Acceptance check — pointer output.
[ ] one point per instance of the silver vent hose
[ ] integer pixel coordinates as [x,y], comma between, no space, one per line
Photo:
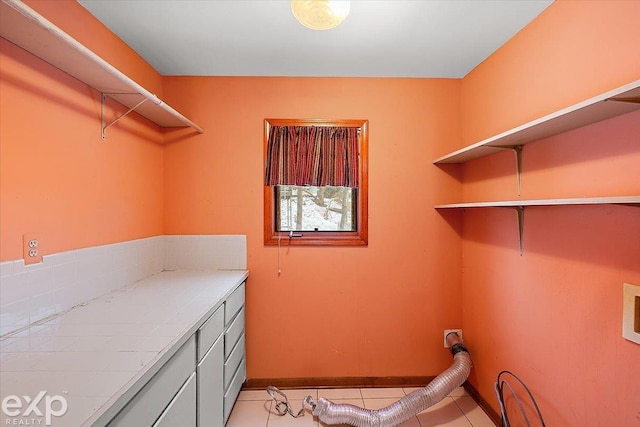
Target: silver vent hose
[407,407]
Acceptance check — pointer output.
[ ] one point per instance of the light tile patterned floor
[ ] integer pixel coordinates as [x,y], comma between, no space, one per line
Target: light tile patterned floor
[254,408]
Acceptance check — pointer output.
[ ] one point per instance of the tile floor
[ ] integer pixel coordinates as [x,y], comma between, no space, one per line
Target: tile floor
[254,408]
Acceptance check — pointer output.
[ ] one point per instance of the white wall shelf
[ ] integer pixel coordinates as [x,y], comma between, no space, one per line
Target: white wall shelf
[616,102]
[621,200]
[622,100]
[520,205]
[27,29]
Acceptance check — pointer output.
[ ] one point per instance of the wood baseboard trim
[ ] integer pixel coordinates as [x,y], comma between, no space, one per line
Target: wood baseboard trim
[336,382]
[495,417]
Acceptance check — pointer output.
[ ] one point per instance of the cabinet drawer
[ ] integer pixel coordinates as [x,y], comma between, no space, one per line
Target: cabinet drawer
[182,409]
[234,389]
[210,331]
[233,333]
[232,363]
[210,388]
[146,406]
[233,304]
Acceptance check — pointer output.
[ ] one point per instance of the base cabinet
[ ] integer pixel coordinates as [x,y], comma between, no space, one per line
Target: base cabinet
[200,383]
[234,372]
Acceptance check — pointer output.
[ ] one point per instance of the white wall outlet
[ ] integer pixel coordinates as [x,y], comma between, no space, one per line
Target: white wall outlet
[631,312]
[32,250]
[447,331]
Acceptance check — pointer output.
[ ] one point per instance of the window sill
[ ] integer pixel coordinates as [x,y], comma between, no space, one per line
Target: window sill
[323,238]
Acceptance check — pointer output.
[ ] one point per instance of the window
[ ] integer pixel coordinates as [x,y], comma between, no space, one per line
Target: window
[302,204]
[310,208]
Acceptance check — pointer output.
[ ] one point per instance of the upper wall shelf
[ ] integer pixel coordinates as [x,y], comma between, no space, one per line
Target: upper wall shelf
[27,29]
[618,200]
[607,105]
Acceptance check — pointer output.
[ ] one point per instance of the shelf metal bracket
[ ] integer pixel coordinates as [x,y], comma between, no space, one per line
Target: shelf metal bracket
[634,100]
[520,218]
[517,149]
[520,214]
[103,115]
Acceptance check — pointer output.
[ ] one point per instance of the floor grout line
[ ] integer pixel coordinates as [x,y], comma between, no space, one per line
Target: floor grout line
[462,411]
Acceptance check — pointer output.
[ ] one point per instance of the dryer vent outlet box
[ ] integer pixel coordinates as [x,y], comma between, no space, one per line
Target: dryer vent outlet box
[631,313]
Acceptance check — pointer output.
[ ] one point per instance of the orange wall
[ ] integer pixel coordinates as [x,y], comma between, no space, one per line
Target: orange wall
[571,52]
[57,177]
[373,311]
[553,316]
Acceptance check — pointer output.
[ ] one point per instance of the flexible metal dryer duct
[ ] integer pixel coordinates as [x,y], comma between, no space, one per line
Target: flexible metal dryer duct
[410,405]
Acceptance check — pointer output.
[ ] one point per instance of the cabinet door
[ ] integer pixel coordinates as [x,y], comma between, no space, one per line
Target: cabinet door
[234,390]
[210,331]
[233,304]
[151,401]
[182,409]
[210,386]
[233,333]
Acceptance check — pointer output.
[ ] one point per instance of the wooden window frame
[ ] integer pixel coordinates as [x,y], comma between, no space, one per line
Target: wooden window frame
[360,237]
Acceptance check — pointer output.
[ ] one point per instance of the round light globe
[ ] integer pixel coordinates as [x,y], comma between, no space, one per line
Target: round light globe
[320,14]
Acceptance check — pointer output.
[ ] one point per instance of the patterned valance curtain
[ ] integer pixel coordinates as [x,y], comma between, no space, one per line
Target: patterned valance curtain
[312,155]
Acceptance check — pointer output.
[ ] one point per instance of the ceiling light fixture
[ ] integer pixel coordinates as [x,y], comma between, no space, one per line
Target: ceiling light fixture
[320,14]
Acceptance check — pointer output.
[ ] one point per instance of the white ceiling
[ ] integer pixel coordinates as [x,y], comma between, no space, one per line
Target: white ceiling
[397,38]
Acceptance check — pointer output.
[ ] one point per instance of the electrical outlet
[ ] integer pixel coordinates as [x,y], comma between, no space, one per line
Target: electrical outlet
[32,250]
[448,331]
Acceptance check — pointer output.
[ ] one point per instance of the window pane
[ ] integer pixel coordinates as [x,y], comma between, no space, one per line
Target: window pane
[307,208]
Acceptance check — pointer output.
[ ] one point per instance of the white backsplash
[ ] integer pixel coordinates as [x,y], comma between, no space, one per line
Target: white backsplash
[30,293]
[205,252]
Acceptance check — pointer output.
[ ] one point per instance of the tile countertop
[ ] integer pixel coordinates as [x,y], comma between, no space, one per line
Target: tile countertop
[99,354]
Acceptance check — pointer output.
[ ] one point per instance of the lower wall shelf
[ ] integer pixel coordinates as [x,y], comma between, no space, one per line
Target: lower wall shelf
[519,206]
[619,200]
